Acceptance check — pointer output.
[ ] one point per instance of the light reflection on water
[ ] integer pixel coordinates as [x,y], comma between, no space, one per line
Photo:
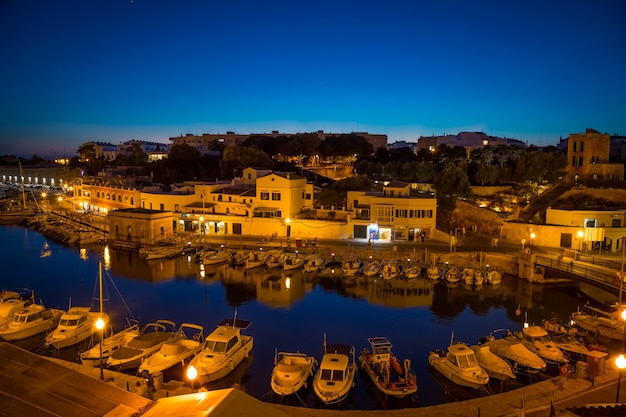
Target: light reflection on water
[289,312]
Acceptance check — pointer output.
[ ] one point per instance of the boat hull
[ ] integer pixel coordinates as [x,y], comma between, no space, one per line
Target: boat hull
[472,379]
[209,370]
[292,373]
[19,331]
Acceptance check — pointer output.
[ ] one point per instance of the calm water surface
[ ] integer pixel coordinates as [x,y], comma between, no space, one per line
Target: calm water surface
[288,313]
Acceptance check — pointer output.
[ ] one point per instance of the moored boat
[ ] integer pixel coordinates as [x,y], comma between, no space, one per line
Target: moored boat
[495,366]
[433,272]
[521,360]
[412,272]
[217,257]
[389,375]
[459,365]
[274,258]
[603,324]
[255,259]
[350,264]
[371,268]
[10,303]
[390,268]
[75,325]
[536,339]
[110,344]
[452,275]
[152,337]
[292,260]
[224,349]
[314,263]
[178,351]
[291,372]
[30,321]
[334,379]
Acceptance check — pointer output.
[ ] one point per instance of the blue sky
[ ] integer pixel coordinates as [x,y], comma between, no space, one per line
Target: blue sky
[114,70]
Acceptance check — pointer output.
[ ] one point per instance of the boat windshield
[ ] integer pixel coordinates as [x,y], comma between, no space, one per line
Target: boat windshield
[21,318]
[330,375]
[68,322]
[465,361]
[215,347]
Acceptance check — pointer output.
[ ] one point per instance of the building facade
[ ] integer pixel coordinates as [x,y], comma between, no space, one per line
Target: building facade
[588,158]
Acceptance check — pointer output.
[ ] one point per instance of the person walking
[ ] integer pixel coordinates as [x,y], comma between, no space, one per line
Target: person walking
[563,371]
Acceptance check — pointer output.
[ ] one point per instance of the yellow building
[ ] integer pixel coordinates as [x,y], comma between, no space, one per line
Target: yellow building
[588,158]
[396,213]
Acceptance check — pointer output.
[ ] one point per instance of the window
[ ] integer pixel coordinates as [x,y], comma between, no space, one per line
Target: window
[385,214]
[401,213]
[276,196]
[307,196]
[265,195]
[162,207]
[219,197]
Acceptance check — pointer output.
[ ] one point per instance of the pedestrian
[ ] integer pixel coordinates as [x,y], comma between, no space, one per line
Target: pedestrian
[495,241]
[563,371]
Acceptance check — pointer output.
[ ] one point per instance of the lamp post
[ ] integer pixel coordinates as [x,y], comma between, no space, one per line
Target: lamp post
[623,316]
[192,374]
[620,362]
[100,327]
[532,241]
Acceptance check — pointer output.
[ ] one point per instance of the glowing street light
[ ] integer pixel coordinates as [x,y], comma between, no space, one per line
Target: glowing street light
[620,362]
[580,240]
[532,241]
[100,327]
[192,374]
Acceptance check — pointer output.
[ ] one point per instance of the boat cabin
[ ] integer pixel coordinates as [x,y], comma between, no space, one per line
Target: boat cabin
[461,356]
[226,337]
[75,316]
[534,334]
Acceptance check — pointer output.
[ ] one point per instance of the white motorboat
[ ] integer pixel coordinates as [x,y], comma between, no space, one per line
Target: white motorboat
[350,265]
[371,268]
[602,323]
[164,252]
[452,275]
[389,375]
[459,365]
[536,339]
[189,343]
[152,337]
[390,269]
[274,258]
[334,379]
[110,344]
[314,263]
[434,272]
[224,349]
[412,272]
[217,257]
[292,260]
[75,325]
[30,321]
[255,259]
[521,360]
[291,372]
[495,366]
[566,338]
[10,303]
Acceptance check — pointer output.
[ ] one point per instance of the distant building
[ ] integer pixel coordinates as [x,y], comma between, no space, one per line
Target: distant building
[104,150]
[467,140]
[588,158]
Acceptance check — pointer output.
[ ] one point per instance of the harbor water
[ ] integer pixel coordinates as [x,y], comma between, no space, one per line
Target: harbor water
[289,312]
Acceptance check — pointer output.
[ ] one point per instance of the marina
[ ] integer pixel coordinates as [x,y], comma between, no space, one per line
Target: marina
[350,309]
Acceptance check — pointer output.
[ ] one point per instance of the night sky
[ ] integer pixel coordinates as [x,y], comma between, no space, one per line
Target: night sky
[114,70]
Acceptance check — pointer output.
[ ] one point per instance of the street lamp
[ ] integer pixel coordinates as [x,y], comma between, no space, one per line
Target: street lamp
[532,241]
[580,240]
[192,374]
[623,316]
[620,362]
[100,327]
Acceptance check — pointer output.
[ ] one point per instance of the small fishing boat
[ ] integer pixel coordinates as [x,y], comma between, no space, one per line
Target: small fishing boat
[255,259]
[495,366]
[467,275]
[314,263]
[390,269]
[452,275]
[371,268]
[412,272]
[164,252]
[350,265]
[75,325]
[479,278]
[189,343]
[292,260]
[30,321]
[152,337]
[334,379]
[389,375]
[110,344]
[291,372]
[274,258]
[224,349]
[218,257]
[433,272]
[494,277]
[459,365]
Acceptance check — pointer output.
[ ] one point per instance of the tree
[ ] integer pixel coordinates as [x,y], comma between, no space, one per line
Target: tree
[240,157]
[450,184]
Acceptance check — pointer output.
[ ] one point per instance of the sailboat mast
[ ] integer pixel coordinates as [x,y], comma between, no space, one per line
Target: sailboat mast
[100,283]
